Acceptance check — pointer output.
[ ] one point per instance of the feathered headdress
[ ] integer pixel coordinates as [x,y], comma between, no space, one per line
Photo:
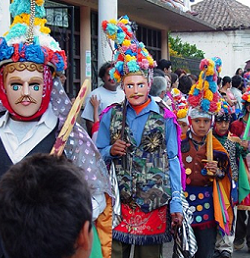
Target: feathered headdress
[204,94]
[28,39]
[131,56]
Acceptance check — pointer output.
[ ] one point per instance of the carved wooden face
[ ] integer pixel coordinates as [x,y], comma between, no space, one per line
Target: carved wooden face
[24,90]
[136,89]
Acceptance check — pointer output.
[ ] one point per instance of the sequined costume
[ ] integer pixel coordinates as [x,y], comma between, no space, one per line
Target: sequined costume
[199,187]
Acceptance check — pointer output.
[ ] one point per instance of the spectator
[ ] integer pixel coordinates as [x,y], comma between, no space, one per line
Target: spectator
[239,72]
[185,84]
[45,209]
[165,66]
[193,77]
[226,93]
[158,72]
[219,83]
[174,81]
[180,72]
[108,93]
[237,90]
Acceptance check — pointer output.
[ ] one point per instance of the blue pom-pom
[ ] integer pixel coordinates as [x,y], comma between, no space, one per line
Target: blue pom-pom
[119,67]
[213,86]
[205,105]
[133,66]
[5,51]
[196,92]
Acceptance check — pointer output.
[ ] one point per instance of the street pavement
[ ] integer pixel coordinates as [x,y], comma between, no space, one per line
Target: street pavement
[168,251]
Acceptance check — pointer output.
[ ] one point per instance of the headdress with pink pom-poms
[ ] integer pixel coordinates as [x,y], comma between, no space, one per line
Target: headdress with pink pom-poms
[131,56]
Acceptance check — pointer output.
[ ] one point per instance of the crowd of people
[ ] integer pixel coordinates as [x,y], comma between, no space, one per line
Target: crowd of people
[168,158]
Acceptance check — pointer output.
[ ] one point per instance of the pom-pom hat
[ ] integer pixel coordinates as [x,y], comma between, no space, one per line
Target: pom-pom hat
[131,56]
[28,39]
[28,46]
[181,105]
[204,95]
[225,111]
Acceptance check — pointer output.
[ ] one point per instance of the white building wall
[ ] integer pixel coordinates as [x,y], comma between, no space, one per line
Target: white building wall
[233,47]
[4,16]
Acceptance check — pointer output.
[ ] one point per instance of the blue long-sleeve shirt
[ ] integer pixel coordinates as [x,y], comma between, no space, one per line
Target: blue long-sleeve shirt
[136,124]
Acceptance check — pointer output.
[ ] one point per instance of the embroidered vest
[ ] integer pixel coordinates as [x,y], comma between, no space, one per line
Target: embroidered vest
[143,173]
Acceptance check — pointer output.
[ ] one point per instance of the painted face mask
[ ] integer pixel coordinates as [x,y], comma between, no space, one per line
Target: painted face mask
[25,89]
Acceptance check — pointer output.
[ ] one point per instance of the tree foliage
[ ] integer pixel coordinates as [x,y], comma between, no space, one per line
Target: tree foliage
[183,49]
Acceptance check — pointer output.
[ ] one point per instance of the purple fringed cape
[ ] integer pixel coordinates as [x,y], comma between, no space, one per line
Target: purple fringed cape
[169,114]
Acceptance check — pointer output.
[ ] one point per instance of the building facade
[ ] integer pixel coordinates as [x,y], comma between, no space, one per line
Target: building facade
[76,25]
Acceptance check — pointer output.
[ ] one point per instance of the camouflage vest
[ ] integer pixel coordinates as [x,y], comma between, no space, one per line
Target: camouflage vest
[143,173]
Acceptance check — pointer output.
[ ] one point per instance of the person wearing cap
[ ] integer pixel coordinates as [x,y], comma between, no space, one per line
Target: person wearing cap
[207,164]
[35,103]
[239,128]
[139,141]
[224,244]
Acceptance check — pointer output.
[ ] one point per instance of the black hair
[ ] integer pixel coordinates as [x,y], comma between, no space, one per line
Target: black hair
[237,71]
[219,80]
[185,84]
[158,72]
[225,80]
[236,81]
[174,78]
[104,68]
[44,203]
[163,63]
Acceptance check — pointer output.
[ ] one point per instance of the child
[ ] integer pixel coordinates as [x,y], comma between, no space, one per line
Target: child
[239,127]
[206,163]
[224,245]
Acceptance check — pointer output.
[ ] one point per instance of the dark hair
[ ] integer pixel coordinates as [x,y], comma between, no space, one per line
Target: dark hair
[193,77]
[219,80]
[158,72]
[236,81]
[225,80]
[104,68]
[185,84]
[44,202]
[163,63]
[174,78]
[180,72]
[237,71]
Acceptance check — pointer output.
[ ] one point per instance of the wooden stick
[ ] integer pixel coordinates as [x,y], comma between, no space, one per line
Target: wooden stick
[70,121]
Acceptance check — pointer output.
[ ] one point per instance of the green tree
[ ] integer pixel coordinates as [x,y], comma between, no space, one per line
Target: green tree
[183,49]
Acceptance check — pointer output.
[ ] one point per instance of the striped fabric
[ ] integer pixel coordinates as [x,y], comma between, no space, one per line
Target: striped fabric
[185,245]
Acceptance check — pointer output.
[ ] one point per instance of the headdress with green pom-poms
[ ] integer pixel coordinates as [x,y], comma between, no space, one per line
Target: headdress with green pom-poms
[28,39]
[131,56]
[204,94]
